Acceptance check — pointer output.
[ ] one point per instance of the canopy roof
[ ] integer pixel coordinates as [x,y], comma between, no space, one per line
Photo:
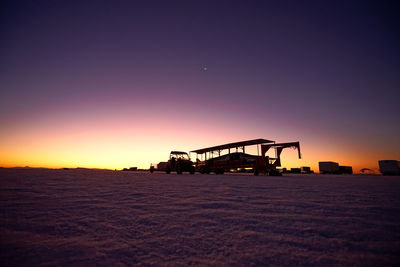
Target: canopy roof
[232,145]
[178,152]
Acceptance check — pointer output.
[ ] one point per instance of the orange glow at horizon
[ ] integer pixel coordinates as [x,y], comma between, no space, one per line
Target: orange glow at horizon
[132,138]
[115,144]
[118,155]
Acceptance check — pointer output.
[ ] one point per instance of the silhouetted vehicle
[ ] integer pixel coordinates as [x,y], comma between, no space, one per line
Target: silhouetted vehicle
[389,167]
[306,170]
[240,160]
[328,167]
[180,162]
[345,170]
[366,171]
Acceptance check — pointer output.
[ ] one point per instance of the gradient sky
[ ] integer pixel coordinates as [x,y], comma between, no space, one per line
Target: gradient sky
[113,84]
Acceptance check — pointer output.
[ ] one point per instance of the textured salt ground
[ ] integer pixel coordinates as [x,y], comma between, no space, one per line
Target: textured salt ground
[107,218]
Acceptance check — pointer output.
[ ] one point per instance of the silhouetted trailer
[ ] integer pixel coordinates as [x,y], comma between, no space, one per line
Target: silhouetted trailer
[306,170]
[345,169]
[236,157]
[328,167]
[389,167]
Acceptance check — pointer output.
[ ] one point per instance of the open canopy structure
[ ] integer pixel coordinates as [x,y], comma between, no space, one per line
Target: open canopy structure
[178,152]
[235,145]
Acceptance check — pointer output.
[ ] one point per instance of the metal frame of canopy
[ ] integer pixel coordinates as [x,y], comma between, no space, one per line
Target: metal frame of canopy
[229,146]
[263,162]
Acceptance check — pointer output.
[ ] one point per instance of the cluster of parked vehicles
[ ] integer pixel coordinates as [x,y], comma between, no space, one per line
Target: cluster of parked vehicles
[215,161]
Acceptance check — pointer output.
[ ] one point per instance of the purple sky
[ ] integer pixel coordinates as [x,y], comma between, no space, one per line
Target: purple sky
[319,69]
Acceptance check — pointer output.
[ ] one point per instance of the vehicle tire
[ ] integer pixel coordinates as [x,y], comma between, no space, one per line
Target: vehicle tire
[168,171]
[192,170]
[256,172]
[179,171]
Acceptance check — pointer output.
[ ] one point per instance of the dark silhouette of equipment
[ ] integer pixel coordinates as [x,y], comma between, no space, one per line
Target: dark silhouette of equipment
[389,167]
[241,160]
[366,171]
[180,162]
[330,167]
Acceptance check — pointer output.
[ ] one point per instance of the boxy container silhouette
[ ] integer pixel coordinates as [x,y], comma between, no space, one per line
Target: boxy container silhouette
[389,167]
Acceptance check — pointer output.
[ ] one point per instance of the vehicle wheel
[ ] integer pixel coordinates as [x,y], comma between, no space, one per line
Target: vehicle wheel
[256,172]
[179,172]
[167,171]
[192,170]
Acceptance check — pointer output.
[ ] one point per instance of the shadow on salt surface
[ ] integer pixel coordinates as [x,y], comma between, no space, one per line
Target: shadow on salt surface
[108,218]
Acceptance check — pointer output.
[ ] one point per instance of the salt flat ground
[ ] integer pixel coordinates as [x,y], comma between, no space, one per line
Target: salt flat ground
[107,218]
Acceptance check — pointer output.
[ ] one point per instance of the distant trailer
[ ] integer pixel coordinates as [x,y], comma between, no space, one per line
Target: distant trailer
[345,170]
[306,170]
[389,167]
[328,167]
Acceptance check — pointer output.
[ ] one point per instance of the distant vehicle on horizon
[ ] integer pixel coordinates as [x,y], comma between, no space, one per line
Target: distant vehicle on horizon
[330,167]
[389,167]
